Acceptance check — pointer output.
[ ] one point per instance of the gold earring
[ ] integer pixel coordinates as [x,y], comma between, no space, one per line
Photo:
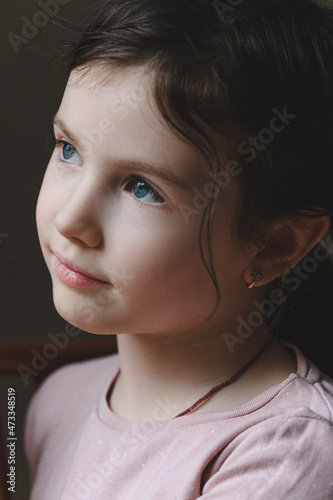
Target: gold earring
[256,276]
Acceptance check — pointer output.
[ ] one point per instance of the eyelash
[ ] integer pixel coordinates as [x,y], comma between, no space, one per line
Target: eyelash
[158,200]
[58,143]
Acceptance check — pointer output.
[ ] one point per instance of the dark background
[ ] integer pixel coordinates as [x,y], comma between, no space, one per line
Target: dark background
[32,84]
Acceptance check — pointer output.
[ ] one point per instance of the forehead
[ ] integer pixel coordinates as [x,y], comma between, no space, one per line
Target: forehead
[123,97]
[109,82]
[112,92]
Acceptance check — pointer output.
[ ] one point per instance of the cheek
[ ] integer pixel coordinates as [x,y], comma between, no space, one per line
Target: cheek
[42,211]
[161,263]
[48,200]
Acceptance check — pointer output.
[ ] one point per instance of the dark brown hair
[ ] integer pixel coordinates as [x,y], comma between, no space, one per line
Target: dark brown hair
[223,71]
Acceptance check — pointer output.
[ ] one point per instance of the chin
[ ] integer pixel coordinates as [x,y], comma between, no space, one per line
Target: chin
[83,317]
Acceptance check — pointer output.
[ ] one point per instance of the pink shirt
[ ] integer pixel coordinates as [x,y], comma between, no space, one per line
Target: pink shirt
[277,446]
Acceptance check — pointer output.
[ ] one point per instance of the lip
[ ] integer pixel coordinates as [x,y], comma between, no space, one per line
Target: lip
[74,275]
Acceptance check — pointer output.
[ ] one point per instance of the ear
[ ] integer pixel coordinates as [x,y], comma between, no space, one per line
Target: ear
[288,241]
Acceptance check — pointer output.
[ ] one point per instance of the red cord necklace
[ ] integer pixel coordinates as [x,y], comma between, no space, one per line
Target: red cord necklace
[215,389]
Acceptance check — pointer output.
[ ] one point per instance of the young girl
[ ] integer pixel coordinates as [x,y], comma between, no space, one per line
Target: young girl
[186,204]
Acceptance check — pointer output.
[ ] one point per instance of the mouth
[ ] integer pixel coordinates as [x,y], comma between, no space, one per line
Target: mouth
[75,276]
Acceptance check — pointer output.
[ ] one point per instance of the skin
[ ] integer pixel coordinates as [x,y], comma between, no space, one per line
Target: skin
[159,294]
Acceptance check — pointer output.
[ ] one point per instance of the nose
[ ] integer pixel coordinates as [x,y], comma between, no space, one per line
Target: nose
[78,218]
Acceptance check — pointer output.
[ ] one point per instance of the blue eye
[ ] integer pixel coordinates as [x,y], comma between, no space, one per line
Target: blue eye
[69,153]
[144,192]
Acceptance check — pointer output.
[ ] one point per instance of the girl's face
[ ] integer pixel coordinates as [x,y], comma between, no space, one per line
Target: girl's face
[120,200]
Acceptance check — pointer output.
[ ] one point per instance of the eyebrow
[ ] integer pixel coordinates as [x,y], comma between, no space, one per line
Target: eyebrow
[59,123]
[138,165]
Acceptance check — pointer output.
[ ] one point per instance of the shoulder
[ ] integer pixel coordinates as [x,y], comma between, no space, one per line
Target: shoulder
[300,406]
[74,380]
[83,372]
[294,430]
[286,456]
[64,398]
[310,390]
[282,444]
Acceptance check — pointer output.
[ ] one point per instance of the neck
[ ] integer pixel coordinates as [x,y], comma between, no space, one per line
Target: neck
[171,373]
